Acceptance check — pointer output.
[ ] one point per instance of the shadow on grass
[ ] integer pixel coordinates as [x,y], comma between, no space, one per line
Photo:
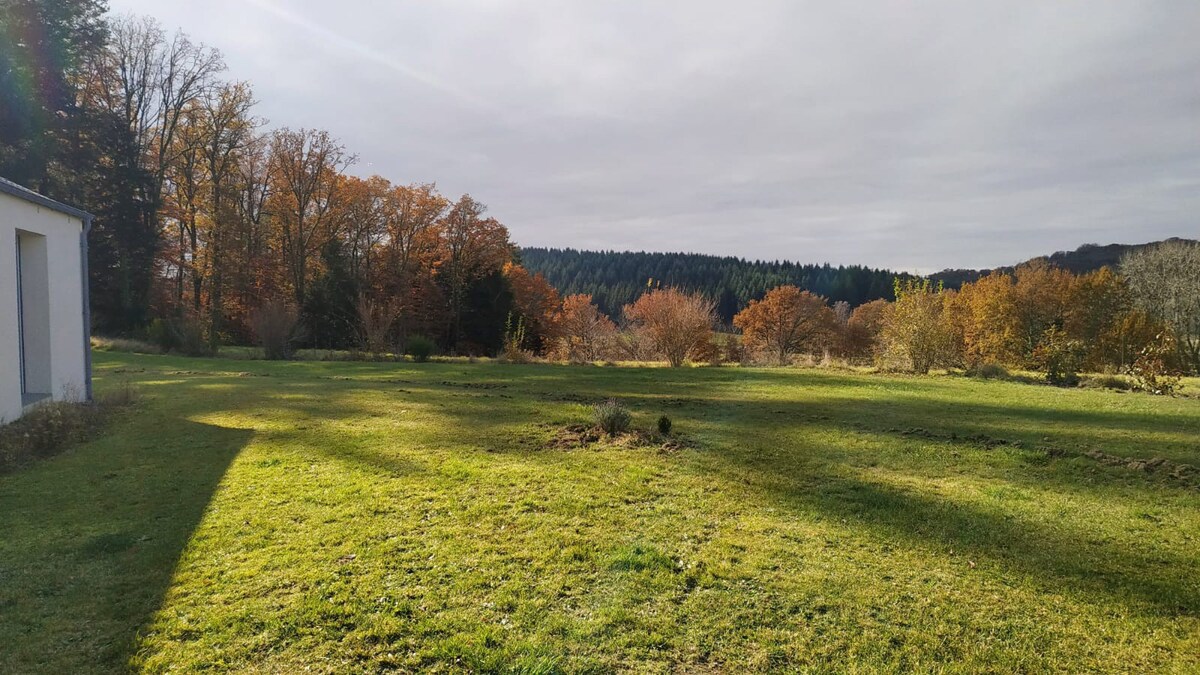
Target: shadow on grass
[98,534]
[92,538]
[1056,556]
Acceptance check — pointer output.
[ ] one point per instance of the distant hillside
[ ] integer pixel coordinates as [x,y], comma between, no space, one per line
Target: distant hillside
[615,279]
[1086,258]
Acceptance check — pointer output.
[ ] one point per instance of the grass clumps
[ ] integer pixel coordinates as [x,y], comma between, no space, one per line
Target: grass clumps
[640,558]
[54,426]
[611,417]
[664,425]
[118,344]
[1113,382]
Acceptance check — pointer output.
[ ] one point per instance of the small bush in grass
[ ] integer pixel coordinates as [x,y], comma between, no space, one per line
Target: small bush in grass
[664,425]
[420,348]
[277,327]
[612,417]
[1108,382]
[989,371]
[1060,356]
[1155,370]
[180,335]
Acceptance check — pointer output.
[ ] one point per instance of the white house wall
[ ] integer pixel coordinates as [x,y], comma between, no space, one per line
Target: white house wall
[68,374]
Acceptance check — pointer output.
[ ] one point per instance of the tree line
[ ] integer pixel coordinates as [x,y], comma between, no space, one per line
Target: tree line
[211,229]
[1142,318]
[615,279]
[204,217]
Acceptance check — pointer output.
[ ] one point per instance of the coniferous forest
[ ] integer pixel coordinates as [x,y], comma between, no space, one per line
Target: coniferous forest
[615,279]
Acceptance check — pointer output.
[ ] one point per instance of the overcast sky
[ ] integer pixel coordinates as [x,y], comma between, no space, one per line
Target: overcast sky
[907,135]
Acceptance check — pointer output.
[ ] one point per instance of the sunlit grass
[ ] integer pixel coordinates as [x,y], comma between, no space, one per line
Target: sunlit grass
[356,517]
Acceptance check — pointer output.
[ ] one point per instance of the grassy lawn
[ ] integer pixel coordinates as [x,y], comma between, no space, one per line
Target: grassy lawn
[354,517]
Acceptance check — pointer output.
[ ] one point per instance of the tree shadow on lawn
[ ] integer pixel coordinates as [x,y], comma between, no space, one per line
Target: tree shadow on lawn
[1062,559]
[99,532]
[1074,429]
[807,475]
[819,479]
[93,538]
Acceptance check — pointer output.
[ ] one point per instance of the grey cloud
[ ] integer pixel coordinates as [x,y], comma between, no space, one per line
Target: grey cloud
[913,135]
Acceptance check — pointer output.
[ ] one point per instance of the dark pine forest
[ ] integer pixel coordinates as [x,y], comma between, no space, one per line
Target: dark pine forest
[615,279]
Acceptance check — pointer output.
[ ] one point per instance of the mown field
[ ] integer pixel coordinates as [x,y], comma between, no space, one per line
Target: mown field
[353,517]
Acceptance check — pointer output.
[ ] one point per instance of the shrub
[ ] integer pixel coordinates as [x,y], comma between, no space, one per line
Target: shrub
[277,327]
[664,425]
[710,351]
[787,321]
[1154,371]
[674,322]
[514,339]
[1109,382]
[916,334]
[612,417]
[989,371]
[180,335]
[733,350]
[420,348]
[1060,356]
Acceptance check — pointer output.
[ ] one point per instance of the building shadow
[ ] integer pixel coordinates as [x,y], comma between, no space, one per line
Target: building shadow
[92,538]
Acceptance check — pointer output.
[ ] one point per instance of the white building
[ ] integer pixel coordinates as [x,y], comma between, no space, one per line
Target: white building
[44,323]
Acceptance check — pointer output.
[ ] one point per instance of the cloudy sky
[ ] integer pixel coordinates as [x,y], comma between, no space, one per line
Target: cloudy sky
[908,135]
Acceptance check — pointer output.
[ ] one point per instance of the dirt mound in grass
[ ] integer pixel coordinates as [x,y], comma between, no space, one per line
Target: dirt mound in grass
[579,436]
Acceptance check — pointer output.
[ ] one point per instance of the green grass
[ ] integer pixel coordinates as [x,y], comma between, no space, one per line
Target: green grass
[359,517]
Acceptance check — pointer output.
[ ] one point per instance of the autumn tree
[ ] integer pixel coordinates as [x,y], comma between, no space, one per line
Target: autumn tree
[305,164]
[360,216]
[860,336]
[150,82]
[915,334]
[229,128]
[786,321]
[1099,302]
[1041,298]
[989,320]
[411,250]
[584,332]
[536,304]
[257,273]
[675,322]
[472,248]
[1165,281]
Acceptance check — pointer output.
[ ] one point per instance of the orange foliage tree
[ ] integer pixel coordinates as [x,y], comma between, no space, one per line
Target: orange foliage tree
[472,247]
[585,333]
[675,323]
[860,337]
[786,321]
[536,304]
[305,165]
[987,312]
